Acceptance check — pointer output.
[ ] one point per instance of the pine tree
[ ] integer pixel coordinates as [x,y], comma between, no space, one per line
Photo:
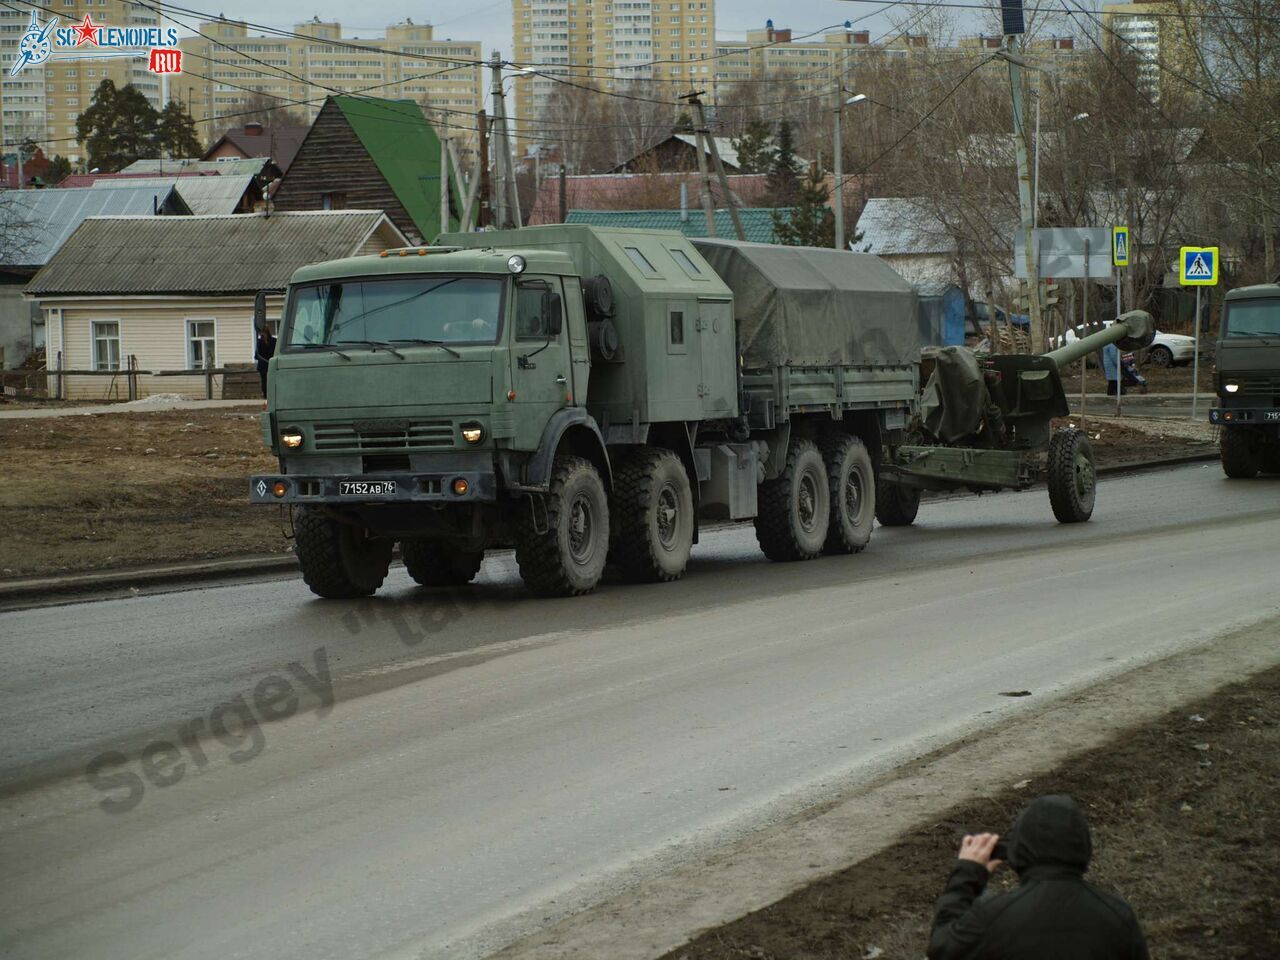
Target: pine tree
[811,222]
[118,128]
[755,148]
[684,123]
[784,182]
[177,131]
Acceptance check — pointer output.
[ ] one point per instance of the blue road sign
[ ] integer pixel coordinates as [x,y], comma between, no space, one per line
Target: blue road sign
[1199,266]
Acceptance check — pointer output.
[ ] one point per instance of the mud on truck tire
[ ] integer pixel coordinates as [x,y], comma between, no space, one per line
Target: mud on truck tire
[652,516]
[795,507]
[851,482]
[567,555]
[338,561]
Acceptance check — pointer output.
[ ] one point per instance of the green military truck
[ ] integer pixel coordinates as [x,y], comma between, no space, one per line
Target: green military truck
[1246,378]
[583,395]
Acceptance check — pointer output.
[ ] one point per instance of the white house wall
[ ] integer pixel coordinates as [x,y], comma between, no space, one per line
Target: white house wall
[154,332]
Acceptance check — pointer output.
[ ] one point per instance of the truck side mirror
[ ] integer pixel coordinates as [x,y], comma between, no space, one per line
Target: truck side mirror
[260,311]
[552,314]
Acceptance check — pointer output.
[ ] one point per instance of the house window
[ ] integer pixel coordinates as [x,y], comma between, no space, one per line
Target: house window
[106,345]
[333,201]
[201,335]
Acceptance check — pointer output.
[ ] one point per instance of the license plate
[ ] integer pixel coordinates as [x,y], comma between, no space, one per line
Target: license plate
[1271,415]
[366,488]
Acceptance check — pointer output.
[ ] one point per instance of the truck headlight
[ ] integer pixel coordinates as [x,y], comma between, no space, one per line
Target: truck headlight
[515,263]
[1231,387]
[472,432]
[291,437]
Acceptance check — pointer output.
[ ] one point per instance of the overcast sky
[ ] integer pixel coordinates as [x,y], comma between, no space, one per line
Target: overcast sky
[489,21]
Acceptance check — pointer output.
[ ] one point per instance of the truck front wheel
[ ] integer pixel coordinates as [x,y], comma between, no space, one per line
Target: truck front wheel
[561,551]
[652,516]
[795,508]
[851,481]
[338,560]
[435,564]
[1240,457]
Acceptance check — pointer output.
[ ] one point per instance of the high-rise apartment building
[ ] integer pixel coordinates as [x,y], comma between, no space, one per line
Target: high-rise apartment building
[608,44]
[1152,32]
[42,101]
[223,65]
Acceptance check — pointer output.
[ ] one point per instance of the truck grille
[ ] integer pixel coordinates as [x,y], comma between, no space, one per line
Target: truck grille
[383,437]
[1255,384]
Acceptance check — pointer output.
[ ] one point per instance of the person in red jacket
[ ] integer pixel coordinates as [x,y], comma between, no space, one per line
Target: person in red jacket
[1053,914]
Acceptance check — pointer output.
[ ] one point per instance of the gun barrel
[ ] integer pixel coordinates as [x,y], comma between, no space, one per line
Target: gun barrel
[1131,331]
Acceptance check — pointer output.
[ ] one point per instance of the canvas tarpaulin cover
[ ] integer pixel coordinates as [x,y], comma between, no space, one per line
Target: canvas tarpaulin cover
[955,397]
[806,306]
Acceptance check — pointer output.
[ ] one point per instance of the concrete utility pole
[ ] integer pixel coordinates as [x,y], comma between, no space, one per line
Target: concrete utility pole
[444,173]
[484,216]
[705,142]
[1024,194]
[498,194]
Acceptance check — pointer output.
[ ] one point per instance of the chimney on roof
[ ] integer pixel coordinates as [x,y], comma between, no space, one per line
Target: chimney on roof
[861,37]
[253,129]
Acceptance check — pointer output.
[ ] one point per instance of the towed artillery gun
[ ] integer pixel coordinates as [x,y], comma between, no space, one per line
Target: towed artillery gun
[985,424]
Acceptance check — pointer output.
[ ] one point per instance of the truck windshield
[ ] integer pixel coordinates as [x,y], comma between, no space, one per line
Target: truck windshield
[1252,318]
[442,309]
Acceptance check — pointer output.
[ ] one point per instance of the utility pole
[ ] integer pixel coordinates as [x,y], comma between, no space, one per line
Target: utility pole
[1024,189]
[444,172]
[499,141]
[484,216]
[705,141]
[837,159]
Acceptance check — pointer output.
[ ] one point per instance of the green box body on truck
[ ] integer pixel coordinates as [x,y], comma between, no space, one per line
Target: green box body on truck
[583,395]
[1246,378]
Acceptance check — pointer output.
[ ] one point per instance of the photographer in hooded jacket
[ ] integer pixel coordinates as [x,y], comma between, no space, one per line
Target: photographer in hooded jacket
[1053,914]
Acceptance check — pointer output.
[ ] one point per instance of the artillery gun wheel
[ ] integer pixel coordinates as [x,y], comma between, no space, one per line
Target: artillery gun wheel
[652,513]
[795,507]
[851,481]
[1241,459]
[338,561]
[896,505]
[1072,476]
[435,564]
[561,552]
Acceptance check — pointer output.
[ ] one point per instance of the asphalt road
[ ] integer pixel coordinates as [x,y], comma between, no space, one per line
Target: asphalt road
[460,767]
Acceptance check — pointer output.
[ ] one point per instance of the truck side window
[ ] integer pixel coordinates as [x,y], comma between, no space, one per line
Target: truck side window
[677,328]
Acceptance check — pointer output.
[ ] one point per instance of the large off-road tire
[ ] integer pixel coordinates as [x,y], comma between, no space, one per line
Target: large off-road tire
[338,560]
[1241,459]
[568,556]
[1072,476]
[851,487]
[435,564]
[795,508]
[896,505]
[652,516]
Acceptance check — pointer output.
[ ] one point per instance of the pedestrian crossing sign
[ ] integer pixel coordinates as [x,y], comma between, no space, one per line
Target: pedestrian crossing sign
[1199,266]
[1120,246]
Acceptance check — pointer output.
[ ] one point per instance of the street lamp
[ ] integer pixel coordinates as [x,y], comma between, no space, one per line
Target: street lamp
[838,160]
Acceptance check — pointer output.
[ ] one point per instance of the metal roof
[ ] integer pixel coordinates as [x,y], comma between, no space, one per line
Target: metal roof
[901,225]
[206,196]
[44,219]
[241,253]
[757,222]
[226,168]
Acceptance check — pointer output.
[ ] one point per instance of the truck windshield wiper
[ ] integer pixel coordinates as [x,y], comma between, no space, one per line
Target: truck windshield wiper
[377,345]
[324,346]
[431,343]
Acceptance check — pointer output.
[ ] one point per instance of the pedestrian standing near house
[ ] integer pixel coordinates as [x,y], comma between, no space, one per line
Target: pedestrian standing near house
[1053,914]
[263,353]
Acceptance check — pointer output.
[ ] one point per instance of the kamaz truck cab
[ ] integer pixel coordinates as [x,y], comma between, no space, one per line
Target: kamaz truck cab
[1247,381]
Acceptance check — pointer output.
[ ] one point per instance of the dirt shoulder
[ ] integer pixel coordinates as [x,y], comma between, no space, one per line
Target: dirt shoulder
[131,489]
[1186,822]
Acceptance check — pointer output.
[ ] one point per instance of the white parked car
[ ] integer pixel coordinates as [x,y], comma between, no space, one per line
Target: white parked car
[1166,350]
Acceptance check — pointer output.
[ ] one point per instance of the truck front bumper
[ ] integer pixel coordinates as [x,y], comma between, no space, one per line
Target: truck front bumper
[1251,416]
[462,486]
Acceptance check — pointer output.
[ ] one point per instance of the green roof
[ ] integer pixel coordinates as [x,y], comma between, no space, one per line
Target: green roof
[757,222]
[406,151]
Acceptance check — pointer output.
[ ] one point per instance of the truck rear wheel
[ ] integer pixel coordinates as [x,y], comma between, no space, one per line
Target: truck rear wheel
[432,563]
[567,556]
[851,483]
[338,560]
[896,505]
[652,514]
[1241,459]
[795,508]
[1072,476]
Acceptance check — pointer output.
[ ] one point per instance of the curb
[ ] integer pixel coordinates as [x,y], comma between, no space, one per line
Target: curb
[34,590]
